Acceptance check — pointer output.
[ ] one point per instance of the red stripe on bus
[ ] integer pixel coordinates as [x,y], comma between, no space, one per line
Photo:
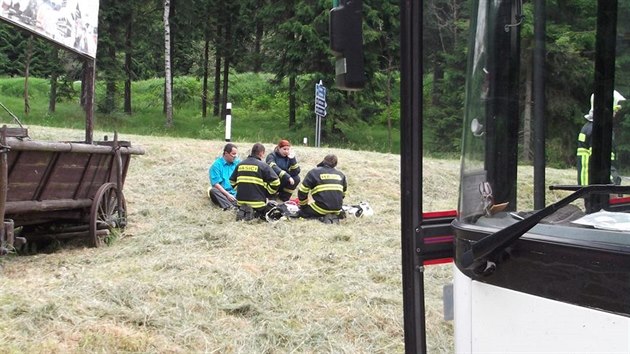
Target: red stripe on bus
[438,239]
[438,261]
[623,200]
[439,214]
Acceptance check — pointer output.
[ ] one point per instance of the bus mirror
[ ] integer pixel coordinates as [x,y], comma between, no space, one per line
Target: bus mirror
[346,43]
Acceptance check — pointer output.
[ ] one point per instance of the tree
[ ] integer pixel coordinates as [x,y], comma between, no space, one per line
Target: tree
[445,61]
[381,53]
[168,93]
[110,27]
[28,55]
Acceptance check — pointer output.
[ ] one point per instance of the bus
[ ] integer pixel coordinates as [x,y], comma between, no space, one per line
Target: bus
[555,278]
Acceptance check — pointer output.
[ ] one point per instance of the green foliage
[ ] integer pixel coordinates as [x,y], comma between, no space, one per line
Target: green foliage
[260,110]
[186,90]
[267,42]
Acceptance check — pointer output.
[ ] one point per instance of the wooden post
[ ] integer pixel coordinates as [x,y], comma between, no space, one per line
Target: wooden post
[89,74]
[4,177]
[119,179]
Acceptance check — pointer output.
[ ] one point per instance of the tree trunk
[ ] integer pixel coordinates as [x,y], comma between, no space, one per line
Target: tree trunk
[226,73]
[54,76]
[128,59]
[257,47]
[168,93]
[527,113]
[110,84]
[226,69]
[438,78]
[388,100]
[204,90]
[52,96]
[111,78]
[291,100]
[84,85]
[217,77]
[27,68]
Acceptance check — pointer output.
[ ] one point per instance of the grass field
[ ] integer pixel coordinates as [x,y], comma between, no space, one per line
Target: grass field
[186,278]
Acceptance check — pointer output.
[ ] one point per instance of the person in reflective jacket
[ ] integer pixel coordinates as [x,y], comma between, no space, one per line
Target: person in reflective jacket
[584,149]
[283,162]
[254,182]
[327,187]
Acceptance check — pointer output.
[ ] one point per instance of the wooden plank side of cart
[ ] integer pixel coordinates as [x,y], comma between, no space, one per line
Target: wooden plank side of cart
[49,181]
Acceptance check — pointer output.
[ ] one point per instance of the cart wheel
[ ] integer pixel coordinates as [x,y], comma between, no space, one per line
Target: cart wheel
[105,213]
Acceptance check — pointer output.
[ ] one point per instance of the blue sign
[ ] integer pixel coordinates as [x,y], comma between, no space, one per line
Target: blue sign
[320,100]
[320,91]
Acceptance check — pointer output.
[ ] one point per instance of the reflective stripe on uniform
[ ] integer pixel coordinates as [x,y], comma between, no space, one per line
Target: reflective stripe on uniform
[321,210]
[584,151]
[327,187]
[254,204]
[251,180]
[582,137]
[584,172]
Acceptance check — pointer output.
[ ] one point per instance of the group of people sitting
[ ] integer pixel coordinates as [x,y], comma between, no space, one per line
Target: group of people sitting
[253,186]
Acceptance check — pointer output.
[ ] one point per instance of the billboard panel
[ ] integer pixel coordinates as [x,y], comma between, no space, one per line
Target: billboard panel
[70,23]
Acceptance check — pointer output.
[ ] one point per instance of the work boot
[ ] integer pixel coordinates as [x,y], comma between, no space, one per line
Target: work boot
[244,212]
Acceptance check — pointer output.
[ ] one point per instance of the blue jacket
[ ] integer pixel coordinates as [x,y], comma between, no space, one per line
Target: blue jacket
[220,172]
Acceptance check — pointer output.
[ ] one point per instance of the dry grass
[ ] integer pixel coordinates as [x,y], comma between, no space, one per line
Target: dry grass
[185,277]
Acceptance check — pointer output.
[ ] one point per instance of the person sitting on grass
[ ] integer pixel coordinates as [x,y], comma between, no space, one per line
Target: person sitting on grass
[254,181]
[327,187]
[285,165]
[220,191]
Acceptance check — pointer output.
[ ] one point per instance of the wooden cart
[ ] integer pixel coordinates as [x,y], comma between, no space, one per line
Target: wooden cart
[57,190]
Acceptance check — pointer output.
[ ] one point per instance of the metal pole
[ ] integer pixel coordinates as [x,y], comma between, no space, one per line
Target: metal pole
[540,102]
[605,47]
[411,174]
[318,129]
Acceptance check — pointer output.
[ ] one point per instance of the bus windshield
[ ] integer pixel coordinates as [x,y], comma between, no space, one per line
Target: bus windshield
[499,130]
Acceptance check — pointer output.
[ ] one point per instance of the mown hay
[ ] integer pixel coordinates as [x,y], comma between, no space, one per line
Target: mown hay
[185,277]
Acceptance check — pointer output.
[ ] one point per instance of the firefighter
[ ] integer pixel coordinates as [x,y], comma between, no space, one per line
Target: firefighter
[254,182]
[327,187]
[585,150]
[285,165]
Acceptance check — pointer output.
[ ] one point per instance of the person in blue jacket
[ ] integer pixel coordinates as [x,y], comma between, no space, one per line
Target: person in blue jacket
[221,191]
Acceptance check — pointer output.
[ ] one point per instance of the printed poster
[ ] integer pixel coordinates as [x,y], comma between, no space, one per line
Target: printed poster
[70,23]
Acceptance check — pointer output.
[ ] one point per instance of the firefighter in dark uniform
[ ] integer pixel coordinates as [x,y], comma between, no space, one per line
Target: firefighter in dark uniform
[285,165]
[327,187]
[254,181]
[584,149]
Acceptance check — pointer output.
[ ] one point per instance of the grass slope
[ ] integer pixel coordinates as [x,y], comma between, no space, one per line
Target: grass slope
[185,277]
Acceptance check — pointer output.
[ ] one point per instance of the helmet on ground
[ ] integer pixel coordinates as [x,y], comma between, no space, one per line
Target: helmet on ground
[365,209]
[274,214]
[359,210]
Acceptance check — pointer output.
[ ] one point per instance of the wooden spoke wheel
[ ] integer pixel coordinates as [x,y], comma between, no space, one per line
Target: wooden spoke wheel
[108,214]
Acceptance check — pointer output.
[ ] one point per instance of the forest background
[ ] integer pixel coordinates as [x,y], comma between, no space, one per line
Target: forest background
[266,56]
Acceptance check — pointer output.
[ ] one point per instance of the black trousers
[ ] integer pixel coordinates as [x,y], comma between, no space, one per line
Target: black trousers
[221,200]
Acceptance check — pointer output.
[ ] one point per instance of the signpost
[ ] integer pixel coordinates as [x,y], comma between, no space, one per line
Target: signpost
[320,110]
